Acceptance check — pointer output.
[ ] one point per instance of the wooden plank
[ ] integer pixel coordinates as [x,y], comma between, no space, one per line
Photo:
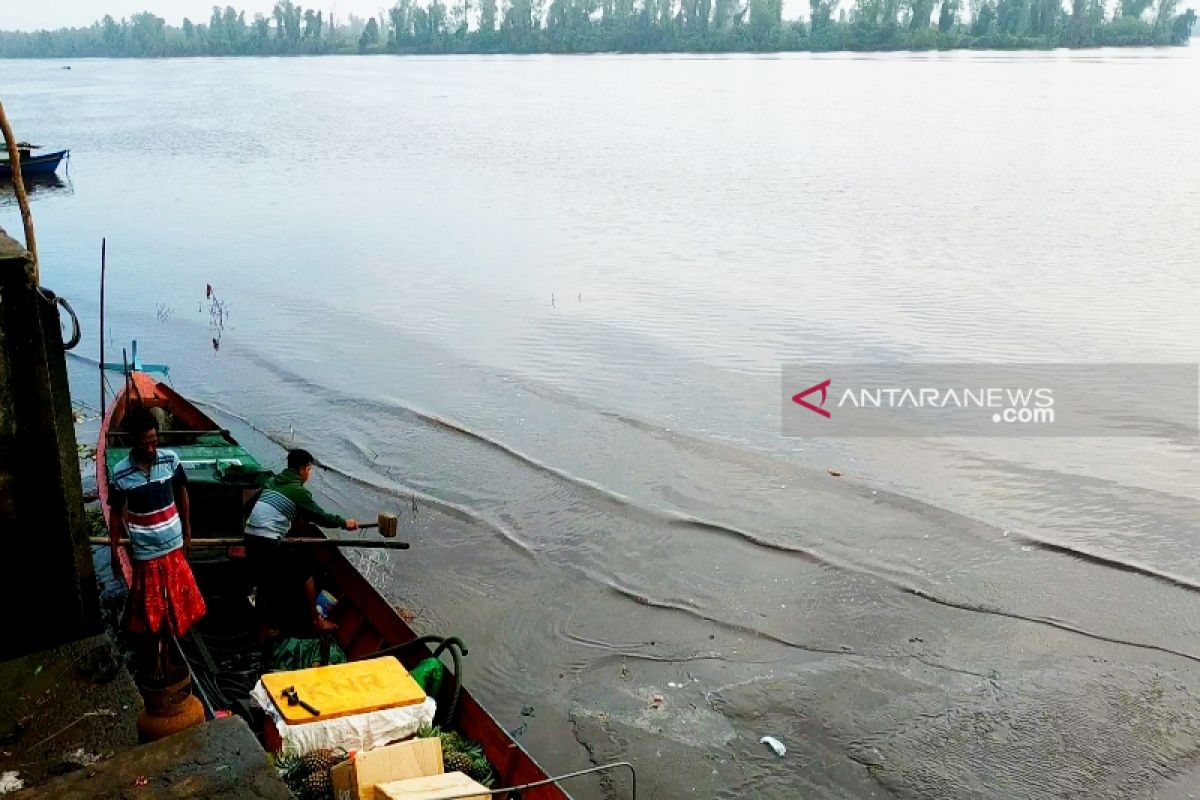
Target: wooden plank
[431,787]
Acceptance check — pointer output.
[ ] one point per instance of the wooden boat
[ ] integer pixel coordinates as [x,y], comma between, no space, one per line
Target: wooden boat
[221,648]
[44,164]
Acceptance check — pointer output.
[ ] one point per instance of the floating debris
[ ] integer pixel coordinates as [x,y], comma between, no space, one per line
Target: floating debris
[11,781]
[774,744]
[81,757]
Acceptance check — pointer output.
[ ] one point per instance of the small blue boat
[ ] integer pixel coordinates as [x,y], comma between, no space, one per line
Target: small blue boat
[33,165]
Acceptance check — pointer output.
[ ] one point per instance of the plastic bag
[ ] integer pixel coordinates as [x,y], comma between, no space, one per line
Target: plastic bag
[292,654]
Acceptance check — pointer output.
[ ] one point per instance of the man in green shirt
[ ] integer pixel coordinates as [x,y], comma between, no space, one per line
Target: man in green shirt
[286,506]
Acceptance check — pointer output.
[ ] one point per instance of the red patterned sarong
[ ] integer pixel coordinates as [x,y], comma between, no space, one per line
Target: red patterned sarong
[163,591]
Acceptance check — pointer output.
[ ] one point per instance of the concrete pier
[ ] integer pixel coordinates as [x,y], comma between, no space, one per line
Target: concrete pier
[217,761]
[45,561]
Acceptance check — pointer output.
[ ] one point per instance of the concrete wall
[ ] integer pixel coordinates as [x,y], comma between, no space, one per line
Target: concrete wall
[46,577]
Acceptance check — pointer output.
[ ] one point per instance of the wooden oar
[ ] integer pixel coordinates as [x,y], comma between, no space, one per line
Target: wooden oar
[234,542]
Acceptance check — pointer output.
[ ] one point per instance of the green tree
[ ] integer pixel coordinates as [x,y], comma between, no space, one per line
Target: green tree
[370,36]
[985,19]
[919,12]
[636,25]
[113,36]
[487,19]
[147,34]
[400,23]
[518,24]
[821,14]
[722,15]
[948,16]
[260,34]
[766,16]
[1164,14]
[1134,8]
[1182,27]
[1012,16]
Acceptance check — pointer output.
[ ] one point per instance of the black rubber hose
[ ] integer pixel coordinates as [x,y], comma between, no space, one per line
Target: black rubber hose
[457,649]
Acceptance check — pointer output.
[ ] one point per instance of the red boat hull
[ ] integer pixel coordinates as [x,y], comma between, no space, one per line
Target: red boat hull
[367,623]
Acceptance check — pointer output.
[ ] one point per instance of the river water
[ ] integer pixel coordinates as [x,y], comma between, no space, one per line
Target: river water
[540,305]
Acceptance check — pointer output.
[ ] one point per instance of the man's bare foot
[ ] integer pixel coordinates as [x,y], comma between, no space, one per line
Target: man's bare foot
[322,625]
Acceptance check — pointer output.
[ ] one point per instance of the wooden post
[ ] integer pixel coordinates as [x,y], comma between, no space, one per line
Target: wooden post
[14,160]
[46,570]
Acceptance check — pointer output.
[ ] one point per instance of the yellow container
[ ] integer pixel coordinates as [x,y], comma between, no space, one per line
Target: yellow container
[340,690]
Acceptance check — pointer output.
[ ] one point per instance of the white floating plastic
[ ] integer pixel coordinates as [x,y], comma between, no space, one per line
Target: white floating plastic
[775,744]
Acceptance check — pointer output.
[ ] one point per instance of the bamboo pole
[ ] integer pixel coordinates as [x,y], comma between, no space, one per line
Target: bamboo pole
[103,269]
[14,159]
[370,544]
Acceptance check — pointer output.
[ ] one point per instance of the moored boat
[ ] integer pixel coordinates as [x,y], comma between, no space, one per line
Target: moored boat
[220,649]
[42,164]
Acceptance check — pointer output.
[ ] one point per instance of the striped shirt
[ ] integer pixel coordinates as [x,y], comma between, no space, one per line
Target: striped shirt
[283,500]
[272,515]
[149,502]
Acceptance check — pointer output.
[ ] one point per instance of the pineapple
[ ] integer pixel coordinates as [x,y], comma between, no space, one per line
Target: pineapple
[453,741]
[322,760]
[288,765]
[455,761]
[479,770]
[317,785]
[460,754]
[295,783]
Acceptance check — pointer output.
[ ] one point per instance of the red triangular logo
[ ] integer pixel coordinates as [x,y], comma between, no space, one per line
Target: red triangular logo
[823,388]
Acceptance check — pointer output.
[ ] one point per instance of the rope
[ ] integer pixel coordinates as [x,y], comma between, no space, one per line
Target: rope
[14,159]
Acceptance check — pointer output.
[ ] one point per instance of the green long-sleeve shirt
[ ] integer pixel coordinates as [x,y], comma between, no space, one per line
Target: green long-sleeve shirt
[283,499]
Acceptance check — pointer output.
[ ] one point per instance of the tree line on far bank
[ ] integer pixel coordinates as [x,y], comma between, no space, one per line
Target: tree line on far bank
[588,26]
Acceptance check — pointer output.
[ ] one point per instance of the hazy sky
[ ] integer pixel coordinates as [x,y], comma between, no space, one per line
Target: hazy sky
[34,14]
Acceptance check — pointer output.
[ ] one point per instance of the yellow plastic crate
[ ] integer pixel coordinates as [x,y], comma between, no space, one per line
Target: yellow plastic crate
[340,690]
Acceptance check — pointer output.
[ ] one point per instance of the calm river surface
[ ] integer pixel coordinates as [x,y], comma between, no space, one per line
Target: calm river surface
[549,298]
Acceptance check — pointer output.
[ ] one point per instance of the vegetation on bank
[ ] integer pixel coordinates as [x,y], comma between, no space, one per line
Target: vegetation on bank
[587,26]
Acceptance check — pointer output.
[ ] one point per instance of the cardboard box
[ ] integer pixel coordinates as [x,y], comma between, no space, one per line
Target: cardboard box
[433,786]
[356,780]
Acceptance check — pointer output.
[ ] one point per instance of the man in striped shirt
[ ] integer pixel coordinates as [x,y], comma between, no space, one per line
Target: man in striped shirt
[285,576]
[147,493]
